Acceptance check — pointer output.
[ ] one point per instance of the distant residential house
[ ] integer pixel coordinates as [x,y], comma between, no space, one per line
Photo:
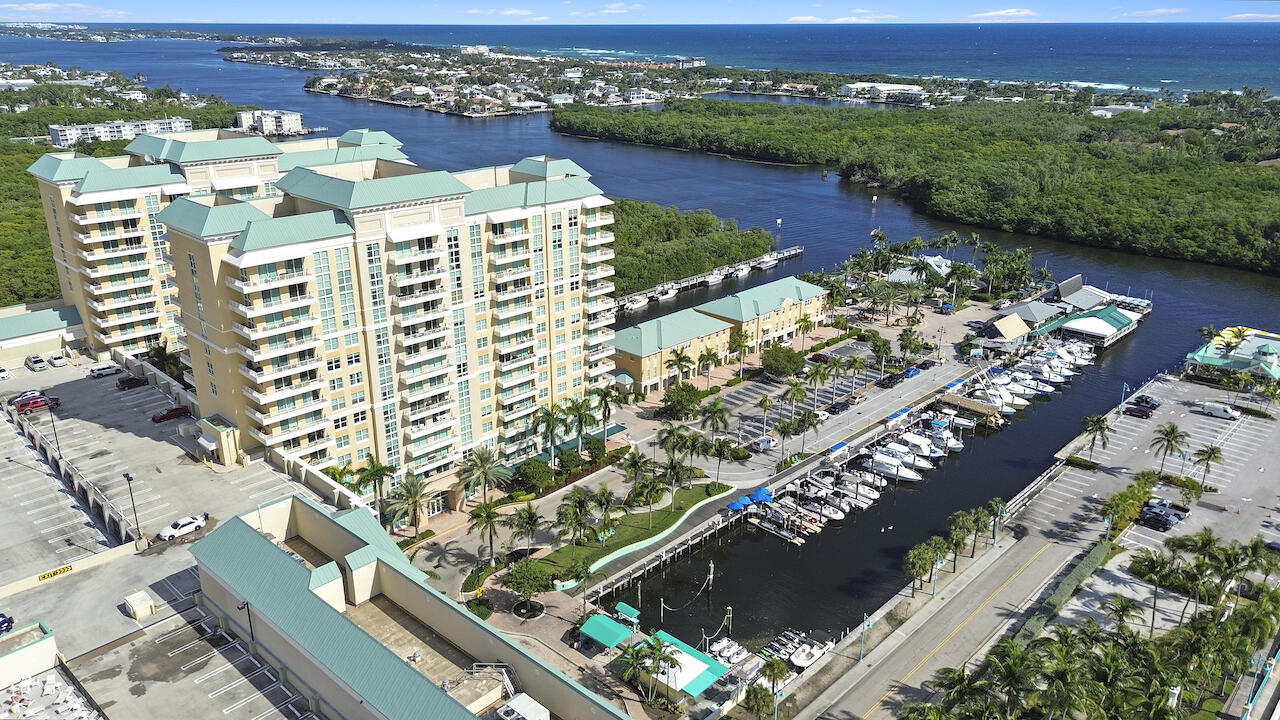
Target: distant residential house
[16,83]
[560,99]
[572,74]
[799,87]
[906,275]
[1110,111]
[132,95]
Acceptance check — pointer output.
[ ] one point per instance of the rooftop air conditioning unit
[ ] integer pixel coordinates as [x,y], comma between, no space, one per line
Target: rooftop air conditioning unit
[523,707]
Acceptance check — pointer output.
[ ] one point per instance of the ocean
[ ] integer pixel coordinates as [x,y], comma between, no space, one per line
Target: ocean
[1175,56]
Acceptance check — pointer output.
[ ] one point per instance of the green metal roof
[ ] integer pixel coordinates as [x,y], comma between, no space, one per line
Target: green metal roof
[1110,314]
[530,194]
[547,167]
[137,176]
[364,136]
[278,589]
[335,156]
[173,149]
[65,166]
[666,332]
[1248,356]
[626,610]
[606,631]
[762,299]
[355,194]
[278,232]
[38,321]
[201,221]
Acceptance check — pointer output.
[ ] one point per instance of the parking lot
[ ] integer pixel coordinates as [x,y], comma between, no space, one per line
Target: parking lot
[104,433]
[186,666]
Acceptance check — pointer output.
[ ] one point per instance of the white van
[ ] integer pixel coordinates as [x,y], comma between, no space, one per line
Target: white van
[1218,410]
[764,443]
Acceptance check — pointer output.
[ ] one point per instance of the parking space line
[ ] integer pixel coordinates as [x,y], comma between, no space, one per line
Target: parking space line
[262,693]
[230,664]
[242,680]
[195,642]
[265,713]
[212,651]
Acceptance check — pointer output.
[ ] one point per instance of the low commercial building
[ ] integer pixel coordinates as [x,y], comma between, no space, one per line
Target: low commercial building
[1241,349]
[770,313]
[1101,326]
[68,135]
[641,351]
[38,329]
[331,602]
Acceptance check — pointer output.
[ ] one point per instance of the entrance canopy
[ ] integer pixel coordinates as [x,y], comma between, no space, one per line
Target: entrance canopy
[605,630]
[627,611]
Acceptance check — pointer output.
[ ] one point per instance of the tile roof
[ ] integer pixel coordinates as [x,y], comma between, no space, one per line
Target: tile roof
[335,156]
[264,233]
[529,194]
[64,166]
[355,194]
[173,149]
[137,176]
[38,321]
[762,299]
[201,221]
[666,332]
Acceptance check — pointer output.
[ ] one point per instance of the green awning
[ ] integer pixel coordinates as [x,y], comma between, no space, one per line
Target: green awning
[622,377]
[627,611]
[605,630]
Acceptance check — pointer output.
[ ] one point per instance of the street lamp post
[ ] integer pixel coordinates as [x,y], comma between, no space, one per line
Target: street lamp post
[128,480]
[937,563]
[248,613]
[862,647]
[53,422]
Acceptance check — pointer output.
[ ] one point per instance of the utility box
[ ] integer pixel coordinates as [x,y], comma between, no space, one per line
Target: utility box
[140,605]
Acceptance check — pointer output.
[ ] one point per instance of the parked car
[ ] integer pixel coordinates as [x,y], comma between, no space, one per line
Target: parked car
[926,364]
[1156,522]
[910,372]
[1147,401]
[820,358]
[975,324]
[837,408]
[1001,304]
[1169,507]
[101,371]
[129,383]
[823,415]
[6,623]
[57,360]
[4,373]
[14,400]
[764,443]
[1138,411]
[184,526]
[171,413]
[1173,517]
[35,363]
[1219,410]
[39,402]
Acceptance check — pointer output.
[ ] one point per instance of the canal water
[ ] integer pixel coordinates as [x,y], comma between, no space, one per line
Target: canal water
[841,573]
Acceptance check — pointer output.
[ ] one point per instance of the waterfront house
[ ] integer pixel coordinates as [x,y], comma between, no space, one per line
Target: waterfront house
[1034,313]
[1240,349]
[907,275]
[770,313]
[641,351]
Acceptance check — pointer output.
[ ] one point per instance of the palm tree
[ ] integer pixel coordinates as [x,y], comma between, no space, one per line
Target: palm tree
[525,522]
[958,685]
[882,349]
[647,491]
[485,520]
[604,500]
[837,368]
[673,471]
[890,299]
[631,663]
[376,474]
[708,359]
[678,363]
[1121,608]
[673,437]
[407,501]
[1168,440]
[580,416]
[1159,569]
[715,416]
[786,429]
[722,449]
[482,469]
[573,517]
[765,404]
[794,393]
[775,671]
[1208,333]
[607,399]
[1207,456]
[1097,430]
[738,346]
[345,476]
[818,376]
[805,325]
[1014,672]
[908,343]
[635,466]
[856,365]
[548,421]
[807,420]
[662,659]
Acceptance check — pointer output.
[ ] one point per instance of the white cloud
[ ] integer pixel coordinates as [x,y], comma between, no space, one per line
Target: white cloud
[1007,14]
[514,11]
[1263,17]
[58,11]
[477,11]
[858,16]
[1156,12]
[540,18]
[805,19]
[619,8]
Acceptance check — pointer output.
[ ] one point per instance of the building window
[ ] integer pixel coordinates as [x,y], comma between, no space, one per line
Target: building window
[362,435]
[360,416]
[353,359]
[333,364]
[356,378]
[340,422]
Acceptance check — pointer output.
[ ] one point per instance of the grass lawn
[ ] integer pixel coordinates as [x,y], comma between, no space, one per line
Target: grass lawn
[631,529]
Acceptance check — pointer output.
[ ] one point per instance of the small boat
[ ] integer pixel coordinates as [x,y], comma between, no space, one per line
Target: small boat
[1025,380]
[728,649]
[920,445]
[636,303]
[742,270]
[864,477]
[956,420]
[809,652]
[945,439]
[1041,373]
[767,261]
[713,278]
[738,656]
[906,457]
[665,291]
[719,645]
[826,510]
[890,468]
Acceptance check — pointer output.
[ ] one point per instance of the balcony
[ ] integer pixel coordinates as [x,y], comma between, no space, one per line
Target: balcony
[599,288]
[432,445]
[277,414]
[412,415]
[421,333]
[514,293]
[517,361]
[278,371]
[423,313]
[279,435]
[601,304]
[289,324]
[127,284]
[272,394]
[418,254]
[515,413]
[598,219]
[123,319]
[267,351]
[431,465]
[598,256]
[263,282]
[600,368]
[108,270]
[512,274]
[600,320]
[511,397]
[508,380]
[292,302]
[599,272]
[604,352]
[121,233]
[600,238]
[127,335]
[408,300]
[109,216]
[115,252]
[510,310]
[314,452]
[427,390]
[113,303]
[423,373]
[515,429]
[595,337]
[423,354]
[417,276]
[514,328]
[442,421]
[506,258]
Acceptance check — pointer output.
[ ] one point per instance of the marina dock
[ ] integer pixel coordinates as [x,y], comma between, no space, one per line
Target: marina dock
[764,262]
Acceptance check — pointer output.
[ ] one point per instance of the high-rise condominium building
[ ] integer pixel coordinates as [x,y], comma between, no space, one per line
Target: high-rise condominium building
[375,309]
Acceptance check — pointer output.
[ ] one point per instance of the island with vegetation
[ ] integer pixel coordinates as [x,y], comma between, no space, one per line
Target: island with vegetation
[1194,182]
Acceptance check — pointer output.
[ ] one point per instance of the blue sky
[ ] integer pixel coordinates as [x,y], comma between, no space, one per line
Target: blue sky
[521,12]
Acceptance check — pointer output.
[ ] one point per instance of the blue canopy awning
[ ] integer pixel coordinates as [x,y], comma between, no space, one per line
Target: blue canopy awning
[761,495]
[735,505]
[745,501]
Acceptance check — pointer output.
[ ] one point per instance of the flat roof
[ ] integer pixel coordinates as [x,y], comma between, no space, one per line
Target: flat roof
[666,332]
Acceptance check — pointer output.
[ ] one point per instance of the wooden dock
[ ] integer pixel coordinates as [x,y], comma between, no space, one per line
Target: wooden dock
[725,272]
[969,404]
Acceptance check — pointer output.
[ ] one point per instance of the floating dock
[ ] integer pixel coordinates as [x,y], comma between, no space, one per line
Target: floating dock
[724,272]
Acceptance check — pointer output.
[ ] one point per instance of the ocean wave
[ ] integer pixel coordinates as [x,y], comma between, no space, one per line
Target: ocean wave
[1098,85]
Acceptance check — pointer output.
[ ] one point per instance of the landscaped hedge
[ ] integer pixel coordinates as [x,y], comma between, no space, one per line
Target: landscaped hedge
[481,607]
[740,453]
[563,480]
[1046,610]
[477,577]
[406,543]
[1076,461]
[1255,412]
[716,487]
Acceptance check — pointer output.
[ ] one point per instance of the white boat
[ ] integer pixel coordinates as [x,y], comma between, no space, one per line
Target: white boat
[955,420]
[713,278]
[727,649]
[920,445]
[809,653]
[890,467]
[826,510]
[719,645]
[864,477]
[906,457]
[738,656]
[665,291]
[636,303]
[742,270]
[1043,373]
[1025,380]
[767,261]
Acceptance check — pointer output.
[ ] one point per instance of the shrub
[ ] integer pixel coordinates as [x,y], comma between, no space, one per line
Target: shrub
[481,607]
[733,381]
[1255,412]
[1083,463]
[408,542]
[568,460]
[716,487]
[1061,594]
[681,400]
[781,361]
[712,390]
[477,577]
[595,448]
[534,473]
[740,453]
